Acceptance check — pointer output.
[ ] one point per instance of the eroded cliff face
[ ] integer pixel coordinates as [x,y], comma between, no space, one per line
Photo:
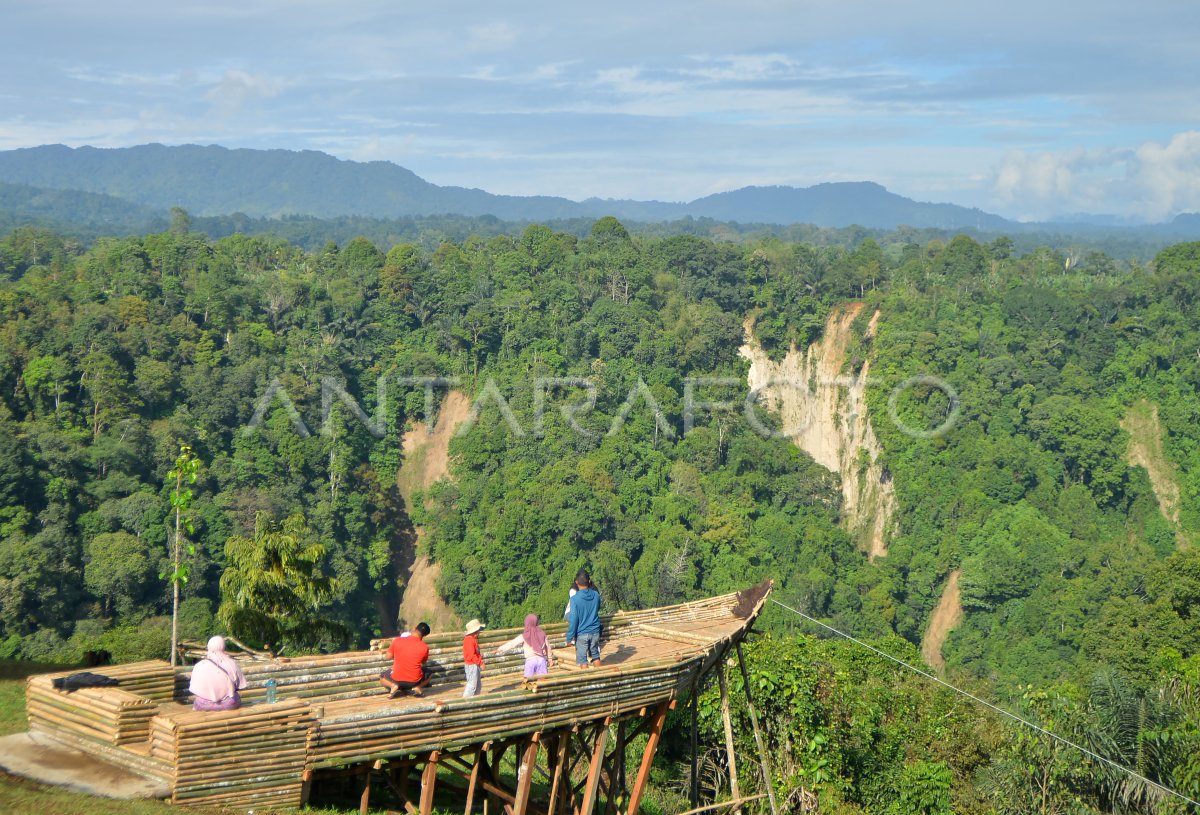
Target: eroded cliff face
[824,412]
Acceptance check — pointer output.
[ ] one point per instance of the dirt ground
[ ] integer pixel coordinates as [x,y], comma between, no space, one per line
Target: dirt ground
[427,461]
[43,760]
[1146,450]
[946,615]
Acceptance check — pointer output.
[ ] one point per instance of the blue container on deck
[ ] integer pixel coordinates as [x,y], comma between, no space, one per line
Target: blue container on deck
[272,697]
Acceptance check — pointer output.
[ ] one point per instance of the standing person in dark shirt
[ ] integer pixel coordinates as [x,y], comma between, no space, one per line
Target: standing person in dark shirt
[583,628]
[408,673]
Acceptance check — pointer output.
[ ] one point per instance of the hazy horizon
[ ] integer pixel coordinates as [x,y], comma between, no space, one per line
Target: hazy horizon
[1028,110]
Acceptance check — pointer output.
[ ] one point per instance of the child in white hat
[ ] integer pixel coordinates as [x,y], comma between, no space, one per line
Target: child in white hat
[472,659]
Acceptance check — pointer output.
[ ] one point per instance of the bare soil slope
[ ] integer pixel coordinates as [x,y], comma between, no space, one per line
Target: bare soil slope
[1146,450]
[946,616]
[427,461]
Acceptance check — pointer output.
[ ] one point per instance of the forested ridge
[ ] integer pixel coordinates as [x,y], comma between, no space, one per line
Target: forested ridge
[1079,595]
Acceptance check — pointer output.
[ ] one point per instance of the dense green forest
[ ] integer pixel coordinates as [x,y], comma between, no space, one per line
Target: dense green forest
[1080,595]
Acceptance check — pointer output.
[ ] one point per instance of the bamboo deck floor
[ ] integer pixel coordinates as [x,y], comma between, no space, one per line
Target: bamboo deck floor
[332,712]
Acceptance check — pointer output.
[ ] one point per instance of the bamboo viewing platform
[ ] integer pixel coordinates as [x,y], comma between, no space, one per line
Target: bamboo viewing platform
[332,720]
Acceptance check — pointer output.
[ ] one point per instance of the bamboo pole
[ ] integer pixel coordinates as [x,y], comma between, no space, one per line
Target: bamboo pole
[694,797]
[736,802]
[758,740]
[622,745]
[639,784]
[730,752]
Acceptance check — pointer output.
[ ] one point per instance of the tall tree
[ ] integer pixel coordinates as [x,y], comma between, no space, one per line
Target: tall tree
[184,473]
[273,589]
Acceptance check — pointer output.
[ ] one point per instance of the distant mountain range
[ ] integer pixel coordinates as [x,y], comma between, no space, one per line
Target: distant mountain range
[125,185]
[215,180]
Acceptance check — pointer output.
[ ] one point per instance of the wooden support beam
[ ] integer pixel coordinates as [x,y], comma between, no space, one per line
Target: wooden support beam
[641,728]
[473,785]
[492,769]
[525,770]
[758,740]
[428,783]
[643,776]
[730,751]
[305,787]
[397,778]
[364,800]
[560,761]
[487,786]
[588,804]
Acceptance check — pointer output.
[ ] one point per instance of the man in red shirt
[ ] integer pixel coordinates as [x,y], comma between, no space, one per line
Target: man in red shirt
[408,673]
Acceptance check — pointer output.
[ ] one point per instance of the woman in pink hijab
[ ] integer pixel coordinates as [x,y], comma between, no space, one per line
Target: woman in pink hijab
[216,679]
[538,656]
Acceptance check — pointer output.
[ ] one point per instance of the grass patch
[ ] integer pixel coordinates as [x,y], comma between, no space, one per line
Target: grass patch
[12,693]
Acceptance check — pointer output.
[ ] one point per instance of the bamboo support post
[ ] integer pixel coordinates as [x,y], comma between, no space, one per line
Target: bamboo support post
[758,740]
[730,751]
[622,744]
[694,787]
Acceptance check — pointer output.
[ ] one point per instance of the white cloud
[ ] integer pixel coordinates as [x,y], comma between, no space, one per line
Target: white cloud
[236,88]
[1149,183]
[492,37]
[1168,176]
[743,67]
[631,82]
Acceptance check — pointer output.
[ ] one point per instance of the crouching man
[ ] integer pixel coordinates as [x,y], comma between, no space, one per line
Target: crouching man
[408,673]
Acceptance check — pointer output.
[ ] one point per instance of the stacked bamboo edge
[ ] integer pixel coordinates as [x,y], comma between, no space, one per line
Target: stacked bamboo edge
[370,733]
[110,715]
[118,715]
[253,756]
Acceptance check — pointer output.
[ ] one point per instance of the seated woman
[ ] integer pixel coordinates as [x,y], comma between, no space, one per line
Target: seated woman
[216,679]
[538,656]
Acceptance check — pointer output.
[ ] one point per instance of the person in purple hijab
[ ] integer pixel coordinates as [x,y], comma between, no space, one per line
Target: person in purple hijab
[539,658]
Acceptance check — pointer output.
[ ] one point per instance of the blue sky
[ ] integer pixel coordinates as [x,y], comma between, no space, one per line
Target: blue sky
[1025,108]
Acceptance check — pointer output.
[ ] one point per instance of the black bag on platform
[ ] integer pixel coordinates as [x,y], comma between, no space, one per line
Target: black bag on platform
[84,679]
